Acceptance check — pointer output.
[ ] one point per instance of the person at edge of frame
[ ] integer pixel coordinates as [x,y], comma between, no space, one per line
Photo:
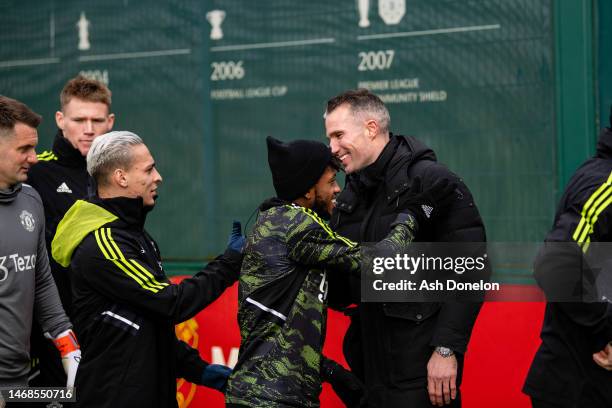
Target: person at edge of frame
[124,307]
[407,354]
[27,289]
[282,286]
[573,365]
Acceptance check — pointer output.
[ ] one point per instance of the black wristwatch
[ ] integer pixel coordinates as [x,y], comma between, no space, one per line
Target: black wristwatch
[444,351]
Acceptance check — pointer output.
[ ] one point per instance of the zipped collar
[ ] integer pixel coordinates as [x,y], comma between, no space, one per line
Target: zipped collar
[373,175]
[130,211]
[67,154]
[390,170]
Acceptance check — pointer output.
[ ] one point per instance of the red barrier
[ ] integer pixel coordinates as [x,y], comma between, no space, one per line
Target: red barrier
[503,343]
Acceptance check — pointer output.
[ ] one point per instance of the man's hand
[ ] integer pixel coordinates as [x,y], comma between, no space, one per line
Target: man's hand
[346,384]
[442,379]
[603,358]
[70,352]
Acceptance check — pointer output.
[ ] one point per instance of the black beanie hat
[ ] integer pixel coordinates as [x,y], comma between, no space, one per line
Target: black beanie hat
[296,166]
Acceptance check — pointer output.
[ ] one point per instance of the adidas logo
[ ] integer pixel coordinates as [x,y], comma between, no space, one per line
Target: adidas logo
[427,210]
[63,188]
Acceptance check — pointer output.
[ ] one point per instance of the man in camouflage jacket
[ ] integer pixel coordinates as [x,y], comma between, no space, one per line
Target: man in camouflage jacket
[283,287]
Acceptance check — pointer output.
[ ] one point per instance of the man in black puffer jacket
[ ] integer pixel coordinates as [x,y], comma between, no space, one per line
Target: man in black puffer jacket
[407,354]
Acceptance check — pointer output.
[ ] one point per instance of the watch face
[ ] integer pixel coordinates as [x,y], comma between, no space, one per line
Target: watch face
[444,351]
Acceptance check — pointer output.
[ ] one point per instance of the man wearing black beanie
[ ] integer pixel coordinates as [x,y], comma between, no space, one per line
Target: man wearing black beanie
[283,281]
[304,171]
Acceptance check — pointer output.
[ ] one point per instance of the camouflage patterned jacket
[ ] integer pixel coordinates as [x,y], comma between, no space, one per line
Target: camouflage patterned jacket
[282,304]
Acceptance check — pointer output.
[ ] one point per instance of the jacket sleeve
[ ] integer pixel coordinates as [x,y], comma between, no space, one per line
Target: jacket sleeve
[111,266]
[563,272]
[47,305]
[462,224]
[316,244]
[189,364]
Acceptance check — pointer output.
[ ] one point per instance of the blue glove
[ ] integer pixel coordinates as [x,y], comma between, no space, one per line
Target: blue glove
[236,240]
[215,376]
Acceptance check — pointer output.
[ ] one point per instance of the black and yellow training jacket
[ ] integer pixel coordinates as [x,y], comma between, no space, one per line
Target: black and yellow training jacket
[125,308]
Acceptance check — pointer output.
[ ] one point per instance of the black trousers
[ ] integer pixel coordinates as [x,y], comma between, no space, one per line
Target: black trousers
[536,403]
[417,398]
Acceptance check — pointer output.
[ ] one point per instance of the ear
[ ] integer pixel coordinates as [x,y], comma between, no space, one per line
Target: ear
[120,178]
[310,194]
[59,119]
[372,128]
[111,121]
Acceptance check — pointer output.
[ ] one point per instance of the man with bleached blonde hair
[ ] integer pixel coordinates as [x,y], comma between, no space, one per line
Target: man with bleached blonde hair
[124,306]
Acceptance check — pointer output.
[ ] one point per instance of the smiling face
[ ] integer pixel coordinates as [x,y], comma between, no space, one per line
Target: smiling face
[326,190]
[17,155]
[142,178]
[82,121]
[351,138]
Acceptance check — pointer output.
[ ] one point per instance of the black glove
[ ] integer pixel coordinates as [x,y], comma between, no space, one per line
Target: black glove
[428,204]
[345,384]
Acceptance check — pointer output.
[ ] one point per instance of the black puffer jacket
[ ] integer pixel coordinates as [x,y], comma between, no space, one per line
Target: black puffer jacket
[399,337]
[563,370]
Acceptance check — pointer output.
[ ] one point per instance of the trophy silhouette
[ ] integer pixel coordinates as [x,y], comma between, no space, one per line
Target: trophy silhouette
[83,26]
[215,18]
[363,6]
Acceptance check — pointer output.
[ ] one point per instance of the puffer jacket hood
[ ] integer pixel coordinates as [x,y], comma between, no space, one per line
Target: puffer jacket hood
[418,151]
